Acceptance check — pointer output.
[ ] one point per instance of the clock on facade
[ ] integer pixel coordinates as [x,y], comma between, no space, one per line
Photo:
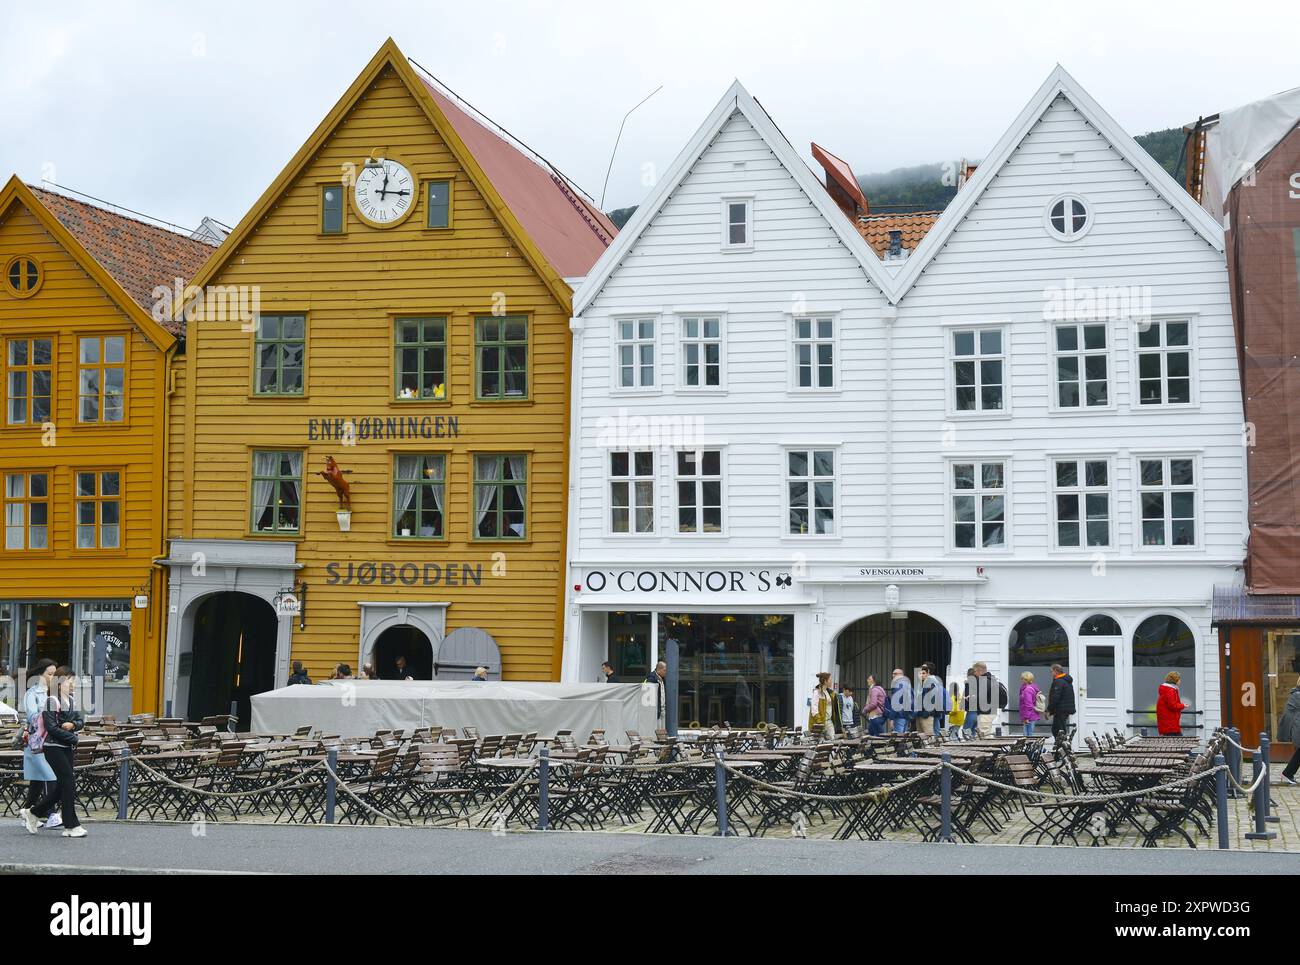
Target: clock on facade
[384,193]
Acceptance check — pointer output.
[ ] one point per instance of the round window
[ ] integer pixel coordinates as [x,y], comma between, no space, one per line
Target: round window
[23,276]
[1068,217]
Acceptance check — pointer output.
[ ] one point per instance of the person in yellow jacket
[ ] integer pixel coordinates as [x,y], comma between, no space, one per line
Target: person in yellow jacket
[820,708]
[956,716]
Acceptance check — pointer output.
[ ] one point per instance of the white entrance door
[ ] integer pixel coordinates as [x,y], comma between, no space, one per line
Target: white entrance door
[1101,684]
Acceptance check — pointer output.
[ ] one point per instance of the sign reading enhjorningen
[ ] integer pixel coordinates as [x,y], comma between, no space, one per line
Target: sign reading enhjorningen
[684,581]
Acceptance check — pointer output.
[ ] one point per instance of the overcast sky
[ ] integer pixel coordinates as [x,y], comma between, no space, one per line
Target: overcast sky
[186,109]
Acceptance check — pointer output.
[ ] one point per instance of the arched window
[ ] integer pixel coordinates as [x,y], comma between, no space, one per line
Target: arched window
[1160,644]
[1034,644]
[1099,625]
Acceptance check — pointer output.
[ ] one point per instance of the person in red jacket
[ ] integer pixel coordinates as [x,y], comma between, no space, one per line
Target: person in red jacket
[1170,707]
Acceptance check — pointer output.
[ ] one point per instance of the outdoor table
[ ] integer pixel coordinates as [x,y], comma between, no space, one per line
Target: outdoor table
[1121,779]
[870,819]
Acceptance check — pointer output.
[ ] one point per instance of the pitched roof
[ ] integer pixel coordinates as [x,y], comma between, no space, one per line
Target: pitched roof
[914,226]
[138,255]
[1058,83]
[735,99]
[571,233]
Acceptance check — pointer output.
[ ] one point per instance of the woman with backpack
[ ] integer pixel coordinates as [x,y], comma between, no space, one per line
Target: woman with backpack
[36,769]
[60,721]
[1033,702]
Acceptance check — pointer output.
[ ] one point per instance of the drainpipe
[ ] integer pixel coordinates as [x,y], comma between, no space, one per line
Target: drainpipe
[889,314]
[571,640]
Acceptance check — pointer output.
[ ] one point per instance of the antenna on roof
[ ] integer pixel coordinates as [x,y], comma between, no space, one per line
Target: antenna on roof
[612,153]
[554,170]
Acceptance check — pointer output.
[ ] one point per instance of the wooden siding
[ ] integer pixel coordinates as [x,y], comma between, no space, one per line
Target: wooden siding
[350,287]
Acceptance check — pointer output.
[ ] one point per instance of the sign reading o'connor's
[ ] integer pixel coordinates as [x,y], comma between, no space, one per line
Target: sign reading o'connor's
[685,581]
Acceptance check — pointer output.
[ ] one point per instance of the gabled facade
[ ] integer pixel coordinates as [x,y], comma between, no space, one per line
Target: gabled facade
[86,387]
[410,342]
[1021,445]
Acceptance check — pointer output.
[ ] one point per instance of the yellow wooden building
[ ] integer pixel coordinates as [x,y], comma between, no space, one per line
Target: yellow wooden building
[82,438]
[396,301]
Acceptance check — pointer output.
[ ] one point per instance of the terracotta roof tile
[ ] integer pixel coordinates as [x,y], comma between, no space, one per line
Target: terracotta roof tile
[140,256]
[570,232]
[876,228]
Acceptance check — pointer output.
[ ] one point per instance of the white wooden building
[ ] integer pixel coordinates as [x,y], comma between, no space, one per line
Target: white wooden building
[1020,445]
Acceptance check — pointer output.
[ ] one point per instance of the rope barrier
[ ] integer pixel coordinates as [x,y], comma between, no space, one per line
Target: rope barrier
[1245,750]
[1081,799]
[295,779]
[876,794]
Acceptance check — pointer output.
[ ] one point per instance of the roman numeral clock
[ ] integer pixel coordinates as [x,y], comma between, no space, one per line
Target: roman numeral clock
[384,193]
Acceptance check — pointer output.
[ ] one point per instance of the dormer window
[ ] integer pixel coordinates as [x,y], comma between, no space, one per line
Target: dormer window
[1068,218]
[737,224]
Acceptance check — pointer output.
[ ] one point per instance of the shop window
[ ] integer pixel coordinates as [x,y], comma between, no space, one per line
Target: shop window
[1160,644]
[1034,644]
[419,493]
[501,345]
[421,359]
[280,351]
[101,378]
[277,492]
[105,638]
[29,380]
[500,496]
[735,669]
[99,510]
[629,645]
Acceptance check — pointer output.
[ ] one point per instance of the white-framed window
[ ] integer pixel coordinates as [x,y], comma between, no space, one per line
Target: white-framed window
[1081,503]
[815,351]
[1164,361]
[977,358]
[737,223]
[1068,217]
[699,480]
[632,491]
[979,504]
[1081,353]
[810,483]
[1167,500]
[700,340]
[635,350]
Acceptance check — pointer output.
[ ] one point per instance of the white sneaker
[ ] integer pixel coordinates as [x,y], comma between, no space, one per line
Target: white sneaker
[77,832]
[55,820]
[30,821]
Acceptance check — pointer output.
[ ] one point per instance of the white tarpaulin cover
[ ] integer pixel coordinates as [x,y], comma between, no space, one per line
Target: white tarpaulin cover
[361,707]
[1241,137]
[6,710]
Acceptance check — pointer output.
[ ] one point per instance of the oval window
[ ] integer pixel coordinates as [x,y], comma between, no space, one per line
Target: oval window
[1068,217]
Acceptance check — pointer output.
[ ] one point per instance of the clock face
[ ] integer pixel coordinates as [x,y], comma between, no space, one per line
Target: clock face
[384,193]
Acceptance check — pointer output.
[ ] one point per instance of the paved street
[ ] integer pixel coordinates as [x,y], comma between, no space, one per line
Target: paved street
[332,850]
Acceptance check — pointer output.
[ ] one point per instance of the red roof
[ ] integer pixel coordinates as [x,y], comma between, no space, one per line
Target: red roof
[140,256]
[876,228]
[838,169]
[571,233]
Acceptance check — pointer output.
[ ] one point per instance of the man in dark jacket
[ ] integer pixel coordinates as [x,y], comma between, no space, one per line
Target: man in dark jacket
[1060,701]
[656,677]
[299,676]
[1288,729]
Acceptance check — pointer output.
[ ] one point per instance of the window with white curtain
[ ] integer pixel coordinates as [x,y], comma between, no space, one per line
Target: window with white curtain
[419,489]
[500,496]
[632,491]
[277,491]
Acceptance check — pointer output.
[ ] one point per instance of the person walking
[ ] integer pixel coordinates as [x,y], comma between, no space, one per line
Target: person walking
[1060,702]
[61,720]
[929,702]
[899,707]
[821,708]
[875,708]
[1170,706]
[972,717]
[848,710]
[1288,729]
[1030,699]
[37,772]
[957,715]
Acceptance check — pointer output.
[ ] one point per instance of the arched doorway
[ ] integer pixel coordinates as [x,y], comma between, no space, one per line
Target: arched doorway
[233,654]
[877,644]
[403,640]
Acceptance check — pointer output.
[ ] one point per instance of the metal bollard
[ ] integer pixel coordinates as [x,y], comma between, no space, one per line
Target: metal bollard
[234,716]
[1234,761]
[1221,801]
[1260,802]
[720,790]
[1266,752]
[123,783]
[945,799]
[544,789]
[331,783]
